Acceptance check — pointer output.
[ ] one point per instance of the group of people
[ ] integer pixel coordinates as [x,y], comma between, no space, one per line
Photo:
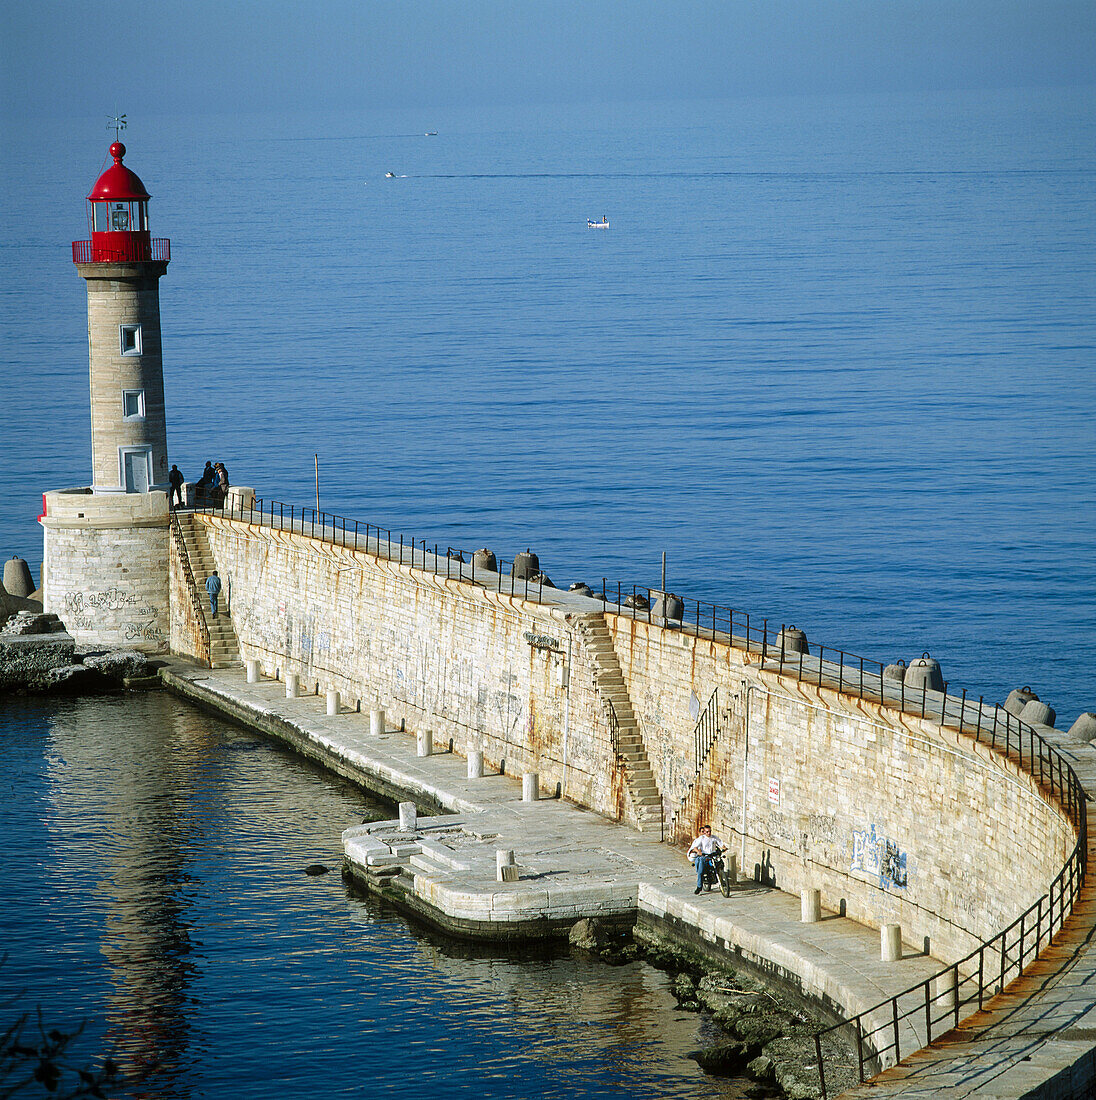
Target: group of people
[214,481]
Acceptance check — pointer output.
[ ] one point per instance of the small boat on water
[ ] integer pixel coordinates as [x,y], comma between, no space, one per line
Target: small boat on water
[603,224]
[430,133]
[390,175]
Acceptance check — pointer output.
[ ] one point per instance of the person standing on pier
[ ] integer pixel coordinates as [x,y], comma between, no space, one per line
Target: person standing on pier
[213,587]
[175,481]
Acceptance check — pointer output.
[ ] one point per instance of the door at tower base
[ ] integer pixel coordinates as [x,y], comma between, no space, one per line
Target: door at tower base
[135,469]
[106,567]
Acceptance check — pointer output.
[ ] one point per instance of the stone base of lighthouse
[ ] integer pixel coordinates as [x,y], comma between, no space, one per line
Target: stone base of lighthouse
[105,567]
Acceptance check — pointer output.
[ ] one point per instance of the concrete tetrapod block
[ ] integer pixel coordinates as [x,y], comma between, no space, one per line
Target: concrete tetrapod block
[332,702]
[1038,713]
[376,721]
[1085,726]
[409,816]
[425,742]
[530,786]
[292,685]
[252,672]
[810,906]
[475,764]
[890,942]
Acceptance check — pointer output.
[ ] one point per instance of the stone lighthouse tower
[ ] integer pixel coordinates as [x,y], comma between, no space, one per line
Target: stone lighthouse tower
[106,553]
[123,265]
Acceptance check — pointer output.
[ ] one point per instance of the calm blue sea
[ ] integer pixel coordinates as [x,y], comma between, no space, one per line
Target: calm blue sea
[835,357]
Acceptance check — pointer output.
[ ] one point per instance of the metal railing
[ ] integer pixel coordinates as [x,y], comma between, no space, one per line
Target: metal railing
[157,249]
[455,563]
[706,733]
[191,587]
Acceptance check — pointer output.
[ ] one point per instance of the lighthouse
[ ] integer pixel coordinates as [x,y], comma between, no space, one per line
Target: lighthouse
[122,265]
[107,547]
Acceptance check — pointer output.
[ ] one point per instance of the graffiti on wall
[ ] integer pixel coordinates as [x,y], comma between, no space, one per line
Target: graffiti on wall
[83,609]
[876,855]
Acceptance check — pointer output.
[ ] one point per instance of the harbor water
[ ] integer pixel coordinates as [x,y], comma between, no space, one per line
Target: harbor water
[156,892]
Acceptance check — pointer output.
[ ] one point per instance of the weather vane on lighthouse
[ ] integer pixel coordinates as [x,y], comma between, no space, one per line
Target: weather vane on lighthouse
[117,123]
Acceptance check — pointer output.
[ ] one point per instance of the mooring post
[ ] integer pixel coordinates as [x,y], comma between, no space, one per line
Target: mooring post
[530,786]
[475,764]
[332,702]
[409,817]
[506,869]
[810,906]
[292,685]
[376,721]
[252,672]
[425,742]
[890,942]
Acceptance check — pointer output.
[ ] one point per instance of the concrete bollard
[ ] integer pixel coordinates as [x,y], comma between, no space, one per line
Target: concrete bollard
[376,721]
[890,942]
[426,742]
[332,702]
[810,906]
[252,672]
[731,863]
[946,988]
[292,685]
[475,764]
[530,786]
[409,816]
[505,868]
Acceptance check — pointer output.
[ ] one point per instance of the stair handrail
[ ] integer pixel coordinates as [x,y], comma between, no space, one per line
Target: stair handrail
[706,733]
[192,588]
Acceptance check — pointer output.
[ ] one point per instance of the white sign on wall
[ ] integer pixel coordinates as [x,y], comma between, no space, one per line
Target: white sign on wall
[774,791]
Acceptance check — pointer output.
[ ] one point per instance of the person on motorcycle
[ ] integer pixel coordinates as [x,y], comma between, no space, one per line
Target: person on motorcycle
[702,851]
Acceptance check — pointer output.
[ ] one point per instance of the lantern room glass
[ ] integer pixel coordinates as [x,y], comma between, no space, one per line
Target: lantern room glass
[128,216]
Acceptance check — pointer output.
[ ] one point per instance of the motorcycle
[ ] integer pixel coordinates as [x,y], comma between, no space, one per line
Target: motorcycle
[715,872]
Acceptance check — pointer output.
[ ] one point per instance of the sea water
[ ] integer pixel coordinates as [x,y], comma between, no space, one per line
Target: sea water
[155,893]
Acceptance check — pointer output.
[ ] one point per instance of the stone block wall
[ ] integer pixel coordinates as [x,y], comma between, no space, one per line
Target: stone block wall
[481,668]
[106,568]
[892,818]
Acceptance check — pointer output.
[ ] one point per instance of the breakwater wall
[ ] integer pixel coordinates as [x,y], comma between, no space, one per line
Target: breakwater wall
[894,817]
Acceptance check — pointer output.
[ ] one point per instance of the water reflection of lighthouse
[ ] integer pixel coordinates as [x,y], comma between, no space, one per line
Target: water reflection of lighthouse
[142,889]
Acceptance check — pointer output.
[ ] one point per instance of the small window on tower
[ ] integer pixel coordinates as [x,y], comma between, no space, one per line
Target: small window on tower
[131,339]
[133,404]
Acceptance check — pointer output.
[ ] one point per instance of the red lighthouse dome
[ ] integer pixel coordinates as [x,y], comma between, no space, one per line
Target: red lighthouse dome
[118,219]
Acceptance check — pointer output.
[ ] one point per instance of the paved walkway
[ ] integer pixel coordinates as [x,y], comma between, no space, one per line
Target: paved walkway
[574,863]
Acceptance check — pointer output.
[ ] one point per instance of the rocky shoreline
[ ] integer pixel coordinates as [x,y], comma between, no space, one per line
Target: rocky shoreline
[768,1036]
[38,656]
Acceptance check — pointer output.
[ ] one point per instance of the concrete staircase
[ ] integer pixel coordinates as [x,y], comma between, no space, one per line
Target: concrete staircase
[630,749]
[223,646]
